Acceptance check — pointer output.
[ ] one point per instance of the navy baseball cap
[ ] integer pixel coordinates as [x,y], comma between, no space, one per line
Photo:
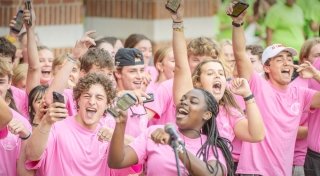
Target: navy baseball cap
[128,57]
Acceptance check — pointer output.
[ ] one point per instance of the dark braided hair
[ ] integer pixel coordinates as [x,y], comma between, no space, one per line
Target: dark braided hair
[214,140]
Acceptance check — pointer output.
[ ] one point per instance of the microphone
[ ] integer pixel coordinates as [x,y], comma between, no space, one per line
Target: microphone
[171,130]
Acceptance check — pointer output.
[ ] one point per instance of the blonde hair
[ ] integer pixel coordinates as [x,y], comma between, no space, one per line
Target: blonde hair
[227,99]
[60,61]
[5,69]
[306,48]
[19,73]
[160,55]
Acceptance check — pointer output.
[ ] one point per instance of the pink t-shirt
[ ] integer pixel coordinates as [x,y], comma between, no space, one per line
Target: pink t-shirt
[153,73]
[72,150]
[160,159]
[314,117]
[281,112]
[70,103]
[227,121]
[10,148]
[21,99]
[300,149]
[163,104]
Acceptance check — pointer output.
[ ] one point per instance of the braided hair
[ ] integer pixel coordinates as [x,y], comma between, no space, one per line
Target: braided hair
[214,140]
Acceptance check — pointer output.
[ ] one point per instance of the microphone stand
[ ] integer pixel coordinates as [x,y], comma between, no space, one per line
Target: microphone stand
[175,144]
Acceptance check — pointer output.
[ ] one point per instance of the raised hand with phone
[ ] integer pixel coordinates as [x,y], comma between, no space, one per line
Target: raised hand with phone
[237,11]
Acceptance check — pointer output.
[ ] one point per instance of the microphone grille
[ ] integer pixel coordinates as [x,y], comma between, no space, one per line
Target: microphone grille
[168,126]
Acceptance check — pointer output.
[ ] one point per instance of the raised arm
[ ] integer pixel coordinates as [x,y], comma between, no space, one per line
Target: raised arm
[61,79]
[34,68]
[120,156]
[5,115]
[182,81]
[39,139]
[244,66]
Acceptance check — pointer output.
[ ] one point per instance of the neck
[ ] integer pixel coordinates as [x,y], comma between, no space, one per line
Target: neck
[277,85]
[161,78]
[82,124]
[190,133]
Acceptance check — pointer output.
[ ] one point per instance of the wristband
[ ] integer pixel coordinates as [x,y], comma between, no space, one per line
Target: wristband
[248,97]
[177,26]
[71,59]
[25,138]
[236,24]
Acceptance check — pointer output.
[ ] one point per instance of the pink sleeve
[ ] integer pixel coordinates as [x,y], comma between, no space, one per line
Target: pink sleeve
[21,99]
[307,98]
[139,145]
[236,116]
[256,82]
[71,105]
[162,99]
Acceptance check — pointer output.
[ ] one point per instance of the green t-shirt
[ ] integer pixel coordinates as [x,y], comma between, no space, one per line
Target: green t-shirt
[287,25]
[311,12]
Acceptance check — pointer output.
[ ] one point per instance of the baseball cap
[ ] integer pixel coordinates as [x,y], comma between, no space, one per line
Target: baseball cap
[128,57]
[273,50]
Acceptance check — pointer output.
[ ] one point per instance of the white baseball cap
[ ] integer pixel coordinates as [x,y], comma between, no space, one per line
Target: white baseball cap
[273,50]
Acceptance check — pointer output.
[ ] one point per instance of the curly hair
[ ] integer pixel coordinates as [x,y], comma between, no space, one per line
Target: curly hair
[203,46]
[90,79]
[98,57]
[7,49]
[214,140]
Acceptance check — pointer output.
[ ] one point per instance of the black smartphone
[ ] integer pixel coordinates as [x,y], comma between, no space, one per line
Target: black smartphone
[149,99]
[19,22]
[57,97]
[238,8]
[173,5]
[27,4]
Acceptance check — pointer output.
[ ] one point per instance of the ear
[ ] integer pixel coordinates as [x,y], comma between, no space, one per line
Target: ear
[159,66]
[207,115]
[117,74]
[266,68]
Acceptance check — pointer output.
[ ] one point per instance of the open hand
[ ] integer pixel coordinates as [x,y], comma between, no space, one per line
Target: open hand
[83,45]
[306,70]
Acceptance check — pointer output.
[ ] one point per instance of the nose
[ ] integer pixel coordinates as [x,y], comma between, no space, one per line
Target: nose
[92,100]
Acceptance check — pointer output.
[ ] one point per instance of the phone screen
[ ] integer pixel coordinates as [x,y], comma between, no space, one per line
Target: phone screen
[126,101]
[239,8]
[19,22]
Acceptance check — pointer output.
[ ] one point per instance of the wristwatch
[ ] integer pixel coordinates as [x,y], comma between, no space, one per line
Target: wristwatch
[237,24]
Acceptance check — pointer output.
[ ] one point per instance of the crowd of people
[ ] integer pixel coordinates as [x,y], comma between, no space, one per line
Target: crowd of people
[232,108]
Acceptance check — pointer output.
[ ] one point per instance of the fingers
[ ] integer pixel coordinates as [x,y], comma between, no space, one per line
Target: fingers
[105,134]
[160,136]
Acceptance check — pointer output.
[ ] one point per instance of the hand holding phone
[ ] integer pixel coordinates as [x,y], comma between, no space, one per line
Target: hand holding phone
[173,5]
[27,5]
[19,22]
[57,97]
[123,103]
[151,99]
[238,8]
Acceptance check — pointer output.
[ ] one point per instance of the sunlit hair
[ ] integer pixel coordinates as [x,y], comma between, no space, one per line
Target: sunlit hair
[35,95]
[7,49]
[306,48]
[19,73]
[214,140]
[59,61]
[227,99]
[203,46]
[134,39]
[160,55]
[255,50]
[98,57]
[111,40]
[6,70]
[91,79]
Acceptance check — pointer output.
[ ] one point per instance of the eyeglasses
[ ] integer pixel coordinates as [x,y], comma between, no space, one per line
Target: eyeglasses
[138,114]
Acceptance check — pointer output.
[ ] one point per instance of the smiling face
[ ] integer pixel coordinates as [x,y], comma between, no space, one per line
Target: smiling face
[166,66]
[192,112]
[92,104]
[130,77]
[314,53]
[213,79]
[46,57]
[279,69]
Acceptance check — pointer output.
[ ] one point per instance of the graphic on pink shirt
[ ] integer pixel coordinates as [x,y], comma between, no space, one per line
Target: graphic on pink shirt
[10,148]
[160,158]
[281,112]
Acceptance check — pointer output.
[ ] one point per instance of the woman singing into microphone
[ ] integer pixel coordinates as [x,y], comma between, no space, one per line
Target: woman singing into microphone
[205,153]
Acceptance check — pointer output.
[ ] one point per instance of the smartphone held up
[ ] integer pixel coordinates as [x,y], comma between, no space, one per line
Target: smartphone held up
[27,4]
[173,5]
[238,8]
[19,22]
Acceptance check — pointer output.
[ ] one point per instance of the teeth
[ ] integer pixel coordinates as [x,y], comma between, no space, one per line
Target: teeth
[182,111]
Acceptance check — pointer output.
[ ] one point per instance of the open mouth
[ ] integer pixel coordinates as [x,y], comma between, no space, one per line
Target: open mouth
[91,112]
[46,73]
[182,113]
[285,72]
[217,87]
